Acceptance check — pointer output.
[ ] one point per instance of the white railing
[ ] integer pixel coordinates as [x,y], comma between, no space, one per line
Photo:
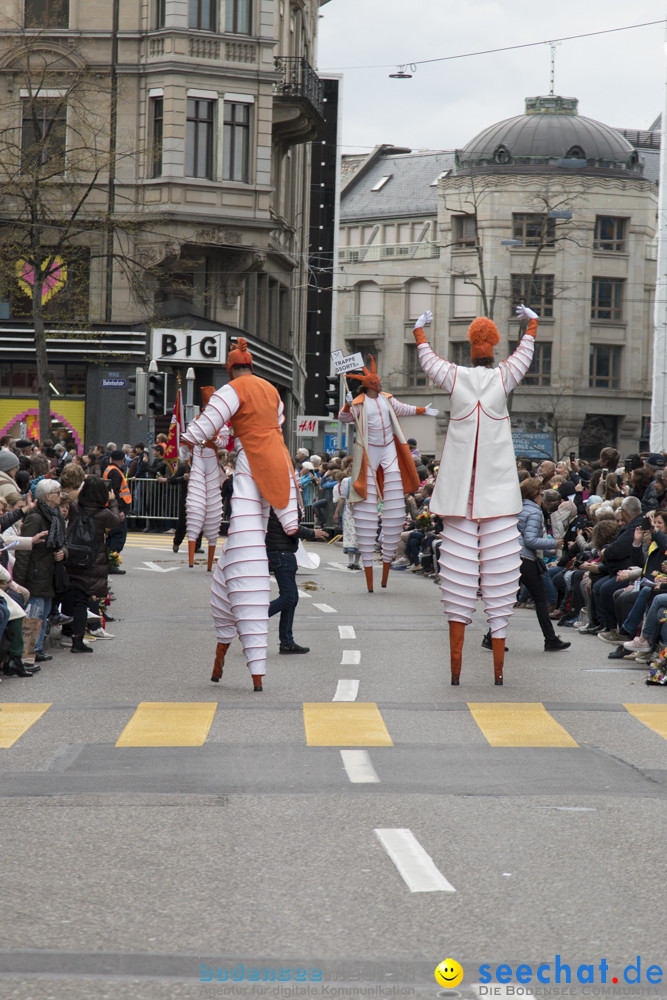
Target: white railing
[388,251]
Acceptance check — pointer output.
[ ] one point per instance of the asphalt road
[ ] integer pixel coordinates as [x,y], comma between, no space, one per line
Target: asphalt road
[361,831]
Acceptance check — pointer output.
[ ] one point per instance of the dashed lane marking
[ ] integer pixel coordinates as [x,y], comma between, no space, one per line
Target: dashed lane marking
[168,724]
[351,657]
[347,632]
[519,724]
[358,767]
[653,716]
[326,608]
[414,865]
[16,718]
[344,724]
[346,691]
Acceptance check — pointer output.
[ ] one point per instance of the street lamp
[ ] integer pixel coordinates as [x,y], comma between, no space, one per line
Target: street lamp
[189,395]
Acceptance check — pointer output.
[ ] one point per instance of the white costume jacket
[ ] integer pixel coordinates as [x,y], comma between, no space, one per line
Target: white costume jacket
[406,463]
[478,449]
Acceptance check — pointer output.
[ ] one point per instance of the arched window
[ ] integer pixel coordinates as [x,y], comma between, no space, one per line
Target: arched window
[419,297]
[575,153]
[370,298]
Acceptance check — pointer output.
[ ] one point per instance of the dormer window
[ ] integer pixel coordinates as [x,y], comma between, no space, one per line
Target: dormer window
[502,155]
[381,183]
[575,153]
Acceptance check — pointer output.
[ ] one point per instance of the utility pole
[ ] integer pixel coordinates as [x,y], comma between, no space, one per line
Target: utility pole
[659,398]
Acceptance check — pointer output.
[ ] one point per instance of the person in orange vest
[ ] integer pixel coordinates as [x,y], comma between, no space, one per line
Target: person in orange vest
[115,475]
[263,478]
[382,469]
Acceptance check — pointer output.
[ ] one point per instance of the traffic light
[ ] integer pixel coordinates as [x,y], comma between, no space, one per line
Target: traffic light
[137,392]
[332,395]
[156,394]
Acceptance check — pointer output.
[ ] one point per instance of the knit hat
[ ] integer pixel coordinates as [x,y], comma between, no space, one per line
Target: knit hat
[8,460]
[239,355]
[483,336]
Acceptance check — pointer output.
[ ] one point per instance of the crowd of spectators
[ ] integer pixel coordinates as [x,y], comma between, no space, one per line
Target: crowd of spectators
[51,596]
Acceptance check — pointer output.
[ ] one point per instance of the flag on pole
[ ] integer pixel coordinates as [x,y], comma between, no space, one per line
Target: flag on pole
[176,428]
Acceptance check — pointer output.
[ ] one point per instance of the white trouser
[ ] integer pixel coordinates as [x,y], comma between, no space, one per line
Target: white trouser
[240,588]
[393,505]
[480,553]
[203,503]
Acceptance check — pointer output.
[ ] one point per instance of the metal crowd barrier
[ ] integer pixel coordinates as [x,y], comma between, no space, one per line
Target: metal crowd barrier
[153,500]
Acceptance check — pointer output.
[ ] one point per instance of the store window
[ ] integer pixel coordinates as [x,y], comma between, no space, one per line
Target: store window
[19,378]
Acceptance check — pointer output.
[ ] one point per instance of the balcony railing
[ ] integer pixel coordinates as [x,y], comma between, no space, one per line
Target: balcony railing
[364,326]
[299,80]
[388,251]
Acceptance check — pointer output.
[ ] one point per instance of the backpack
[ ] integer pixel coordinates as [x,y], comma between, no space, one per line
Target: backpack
[81,542]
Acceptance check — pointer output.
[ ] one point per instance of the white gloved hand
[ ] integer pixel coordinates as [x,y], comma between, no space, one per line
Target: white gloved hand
[523,312]
[349,398]
[425,319]
[431,411]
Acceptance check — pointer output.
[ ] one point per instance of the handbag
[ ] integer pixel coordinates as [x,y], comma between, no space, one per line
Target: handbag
[540,566]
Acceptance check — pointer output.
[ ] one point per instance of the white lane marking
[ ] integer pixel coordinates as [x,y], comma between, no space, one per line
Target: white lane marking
[346,691]
[347,632]
[358,765]
[337,566]
[326,609]
[351,657]
[304,593]
[414,865]
[154,568]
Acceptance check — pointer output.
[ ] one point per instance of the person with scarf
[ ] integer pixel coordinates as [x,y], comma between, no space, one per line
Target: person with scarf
[36,568]
[382,469]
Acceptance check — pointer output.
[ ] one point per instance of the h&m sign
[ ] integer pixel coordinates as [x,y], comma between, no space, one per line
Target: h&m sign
[201,347]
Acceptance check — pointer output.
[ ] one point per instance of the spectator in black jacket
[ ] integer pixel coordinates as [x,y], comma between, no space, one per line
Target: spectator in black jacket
[620,554]
[281,549]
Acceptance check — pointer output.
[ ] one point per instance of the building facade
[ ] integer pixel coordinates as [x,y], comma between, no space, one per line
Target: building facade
[183,129]
[549,208]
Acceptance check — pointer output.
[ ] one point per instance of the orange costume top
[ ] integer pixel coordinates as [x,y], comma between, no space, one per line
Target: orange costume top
[255,410]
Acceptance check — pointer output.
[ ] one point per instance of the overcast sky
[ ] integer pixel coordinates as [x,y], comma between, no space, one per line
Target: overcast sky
[618,78]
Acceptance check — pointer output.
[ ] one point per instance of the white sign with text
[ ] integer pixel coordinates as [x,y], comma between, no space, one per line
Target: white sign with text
[199,347]
[346,362]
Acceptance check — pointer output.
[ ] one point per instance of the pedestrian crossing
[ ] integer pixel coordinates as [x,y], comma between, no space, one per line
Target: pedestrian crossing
[337,724]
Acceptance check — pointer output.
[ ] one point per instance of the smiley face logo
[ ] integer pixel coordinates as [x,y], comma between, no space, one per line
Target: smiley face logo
[449,973]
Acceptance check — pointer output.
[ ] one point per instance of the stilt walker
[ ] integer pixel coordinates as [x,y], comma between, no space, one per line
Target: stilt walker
[262,479]
[383,467]
[479,511]
[203,504]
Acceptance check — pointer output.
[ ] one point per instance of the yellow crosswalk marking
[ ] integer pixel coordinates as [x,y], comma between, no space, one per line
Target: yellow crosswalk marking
[344,724]
[16,718]
[519,724]
[168,724]
[653,716]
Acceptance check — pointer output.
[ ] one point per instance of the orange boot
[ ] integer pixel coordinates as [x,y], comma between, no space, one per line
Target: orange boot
[191,553]
[386,566]
[498,646]
[211,556]
[368,570]
[456,634]
[220,651]
[257,682]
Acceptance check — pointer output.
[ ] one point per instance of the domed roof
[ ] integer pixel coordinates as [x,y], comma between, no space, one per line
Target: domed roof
[553,134]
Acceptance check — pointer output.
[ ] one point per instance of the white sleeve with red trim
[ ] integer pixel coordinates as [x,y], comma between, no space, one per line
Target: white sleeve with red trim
[441,372]
[346,416]
[222,406]
[403,409]
[516,366]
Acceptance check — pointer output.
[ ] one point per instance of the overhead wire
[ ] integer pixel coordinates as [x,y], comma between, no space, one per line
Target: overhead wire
[501,48]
